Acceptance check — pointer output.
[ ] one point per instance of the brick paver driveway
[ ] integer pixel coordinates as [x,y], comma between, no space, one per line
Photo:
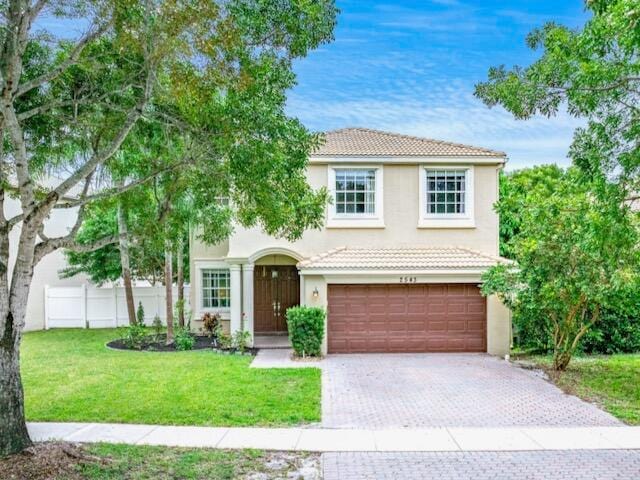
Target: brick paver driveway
[547,465]
[444,390]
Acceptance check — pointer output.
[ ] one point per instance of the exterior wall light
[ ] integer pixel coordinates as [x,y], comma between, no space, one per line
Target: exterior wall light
[315,292]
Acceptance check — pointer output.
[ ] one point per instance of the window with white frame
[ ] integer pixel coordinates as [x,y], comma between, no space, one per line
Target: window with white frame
[216,288]
[355,191]
[446,192]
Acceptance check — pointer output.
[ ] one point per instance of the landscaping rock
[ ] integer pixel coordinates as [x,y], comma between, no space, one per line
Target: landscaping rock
[277,464]
[258,476]
[309,470]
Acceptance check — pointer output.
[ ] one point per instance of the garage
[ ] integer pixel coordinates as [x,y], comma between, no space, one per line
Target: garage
[368,318]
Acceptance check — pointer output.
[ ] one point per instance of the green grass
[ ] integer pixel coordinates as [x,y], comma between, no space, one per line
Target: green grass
[69,375]
[612,381]
[160,463]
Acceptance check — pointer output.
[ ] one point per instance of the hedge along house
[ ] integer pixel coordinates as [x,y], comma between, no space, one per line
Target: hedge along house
[398,263]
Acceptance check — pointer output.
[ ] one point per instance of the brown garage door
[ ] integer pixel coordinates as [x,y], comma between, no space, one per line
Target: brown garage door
[406,318]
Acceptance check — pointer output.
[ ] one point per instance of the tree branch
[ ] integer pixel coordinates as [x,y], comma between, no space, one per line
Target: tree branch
[35,10]
[71,60]
[114,191]
[100,157]
[45,248]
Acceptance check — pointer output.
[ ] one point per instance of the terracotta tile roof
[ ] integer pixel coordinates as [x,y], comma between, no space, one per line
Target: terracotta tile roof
[409,258]
[367,142]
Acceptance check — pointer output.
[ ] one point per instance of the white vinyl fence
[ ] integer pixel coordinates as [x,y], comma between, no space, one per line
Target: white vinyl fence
[102,307]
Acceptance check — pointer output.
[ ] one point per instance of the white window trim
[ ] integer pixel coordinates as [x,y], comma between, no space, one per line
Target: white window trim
[357,220]
[209,265]
[447,220]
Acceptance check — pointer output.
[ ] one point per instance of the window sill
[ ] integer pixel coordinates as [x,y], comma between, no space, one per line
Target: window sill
[446,223]
[223,311]
[366,222]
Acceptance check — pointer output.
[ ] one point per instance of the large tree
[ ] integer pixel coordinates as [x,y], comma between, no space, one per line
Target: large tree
[577,243]
[216,72]
[593,73]
[577,256]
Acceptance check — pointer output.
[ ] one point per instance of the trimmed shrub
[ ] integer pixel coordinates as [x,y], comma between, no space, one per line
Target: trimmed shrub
[140,314]
[157,327]
[306,330]
[134,336]
[184,340]
[223,339]
[241,340]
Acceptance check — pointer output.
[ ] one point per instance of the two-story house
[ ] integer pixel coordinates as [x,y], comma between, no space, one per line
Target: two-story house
[398,263]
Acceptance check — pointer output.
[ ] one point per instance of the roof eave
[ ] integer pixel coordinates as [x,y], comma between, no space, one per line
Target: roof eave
[410,159]
[350,271]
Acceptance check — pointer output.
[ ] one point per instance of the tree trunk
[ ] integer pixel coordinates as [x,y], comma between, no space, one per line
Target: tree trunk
[13,429]
[126,265]
[180,267]
[561,359]
[168,284]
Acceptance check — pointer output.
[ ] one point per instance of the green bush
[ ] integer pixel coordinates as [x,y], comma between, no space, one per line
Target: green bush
[140,314]
[223,339]
[157,327]
[184,340]
[616,331]
[134,336]
[306,330]
[241,340]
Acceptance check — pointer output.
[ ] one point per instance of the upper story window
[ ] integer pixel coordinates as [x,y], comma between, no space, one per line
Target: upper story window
[357,197]
[216,288]
[355,192]
[446,197]
[446,191]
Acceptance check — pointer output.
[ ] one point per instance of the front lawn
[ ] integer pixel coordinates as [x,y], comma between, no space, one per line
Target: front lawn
[612,381]
[63,461]
[162,463]
[69,375]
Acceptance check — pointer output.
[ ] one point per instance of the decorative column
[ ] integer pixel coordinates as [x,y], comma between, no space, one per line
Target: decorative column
[236,298]
[303,299]
[247,298]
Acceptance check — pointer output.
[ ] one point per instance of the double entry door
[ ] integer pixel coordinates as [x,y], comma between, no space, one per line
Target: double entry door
[276,288]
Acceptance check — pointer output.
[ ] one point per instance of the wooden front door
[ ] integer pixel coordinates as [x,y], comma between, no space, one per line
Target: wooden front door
[275,289]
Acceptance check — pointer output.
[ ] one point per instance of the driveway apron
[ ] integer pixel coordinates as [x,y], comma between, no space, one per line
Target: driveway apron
[444,390]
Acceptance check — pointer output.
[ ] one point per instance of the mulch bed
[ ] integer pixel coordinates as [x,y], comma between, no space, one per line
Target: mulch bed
[46,461]
[153,344]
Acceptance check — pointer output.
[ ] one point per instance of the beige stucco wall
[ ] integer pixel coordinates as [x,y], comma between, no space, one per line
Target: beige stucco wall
[198,252]
[276,260]
[309,284]
[401,213]
[498,327]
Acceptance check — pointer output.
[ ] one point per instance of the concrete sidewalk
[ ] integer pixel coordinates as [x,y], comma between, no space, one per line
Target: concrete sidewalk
[348,440]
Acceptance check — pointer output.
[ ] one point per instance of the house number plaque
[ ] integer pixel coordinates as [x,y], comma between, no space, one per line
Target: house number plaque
[408,279]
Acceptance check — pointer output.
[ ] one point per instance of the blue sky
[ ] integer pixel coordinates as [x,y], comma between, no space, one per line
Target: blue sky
[409,66]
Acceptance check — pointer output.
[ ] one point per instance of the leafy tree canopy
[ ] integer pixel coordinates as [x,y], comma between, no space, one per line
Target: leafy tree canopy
[595,74]
[572,234]
[151,89]
[576,255]
[515,190]
[146,249]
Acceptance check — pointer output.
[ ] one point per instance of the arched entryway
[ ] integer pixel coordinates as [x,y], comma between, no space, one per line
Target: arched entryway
[276,288]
